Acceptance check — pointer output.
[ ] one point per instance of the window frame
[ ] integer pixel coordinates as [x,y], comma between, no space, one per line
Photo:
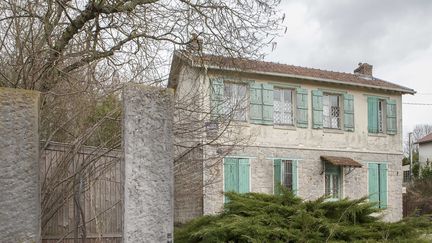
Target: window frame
[339,175]
[284,167]
[382,118]
[226,101]
[341,110]
[293,106]
[294,174]
[382,103]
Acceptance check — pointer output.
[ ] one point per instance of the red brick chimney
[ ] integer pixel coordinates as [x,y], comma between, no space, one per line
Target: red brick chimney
[364,69]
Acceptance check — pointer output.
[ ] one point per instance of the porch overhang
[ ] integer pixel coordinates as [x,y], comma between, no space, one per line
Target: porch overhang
[341,161]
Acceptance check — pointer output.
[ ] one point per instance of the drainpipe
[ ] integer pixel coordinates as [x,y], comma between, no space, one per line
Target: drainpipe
[410,155]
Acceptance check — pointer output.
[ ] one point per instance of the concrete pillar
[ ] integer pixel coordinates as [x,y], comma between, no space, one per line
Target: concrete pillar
[19,166]
[148,164]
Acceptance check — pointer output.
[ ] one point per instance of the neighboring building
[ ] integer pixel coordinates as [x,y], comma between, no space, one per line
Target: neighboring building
[425,149]
[316,132]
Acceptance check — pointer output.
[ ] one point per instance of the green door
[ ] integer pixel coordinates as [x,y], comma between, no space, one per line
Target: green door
[231,174]
[383,185]
[243,175]
[236,175]
[373,182]
[378,184]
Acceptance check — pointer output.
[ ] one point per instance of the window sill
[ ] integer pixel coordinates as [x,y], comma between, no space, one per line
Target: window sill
[337,131]
[331,199]
[240,123]
[382,135]
[285,127]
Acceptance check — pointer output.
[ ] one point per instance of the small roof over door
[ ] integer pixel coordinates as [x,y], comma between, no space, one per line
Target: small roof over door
[341,161]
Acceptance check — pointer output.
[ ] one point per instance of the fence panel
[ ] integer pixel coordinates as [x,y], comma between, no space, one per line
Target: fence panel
[100,202]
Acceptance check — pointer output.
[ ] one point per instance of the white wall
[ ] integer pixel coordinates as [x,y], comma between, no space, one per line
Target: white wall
[425,153]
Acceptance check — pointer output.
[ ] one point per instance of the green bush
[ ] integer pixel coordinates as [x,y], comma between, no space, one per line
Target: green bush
[255,217]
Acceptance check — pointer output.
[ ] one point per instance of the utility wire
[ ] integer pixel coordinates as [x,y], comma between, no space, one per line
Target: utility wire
[411,103]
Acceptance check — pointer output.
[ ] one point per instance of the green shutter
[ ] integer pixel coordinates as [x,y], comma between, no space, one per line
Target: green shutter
[231,173]
[372,114]
[391,117]
[267,91]
[373,182]
[243,175]
[317,109]
[348,112]
[294,176]
[383,185]
[302,107]
[277,175]
[217,95]
[256,103]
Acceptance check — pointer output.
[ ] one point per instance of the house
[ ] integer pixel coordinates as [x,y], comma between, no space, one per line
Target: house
[313,131]
[425,149]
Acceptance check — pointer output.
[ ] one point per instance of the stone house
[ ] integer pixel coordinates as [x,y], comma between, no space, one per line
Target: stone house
[425,149]
[313,131]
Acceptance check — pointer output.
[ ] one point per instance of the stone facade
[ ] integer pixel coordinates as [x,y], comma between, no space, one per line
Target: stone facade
[19,173]
[305,144]
[188,179]
[148,164]
[310,175]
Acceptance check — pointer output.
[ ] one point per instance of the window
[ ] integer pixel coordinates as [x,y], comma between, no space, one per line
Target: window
[381,111]
[332,181]
[327,110]
[377,173]
[331,111]
[235,101]
[382,115]
[283,106]
[236,175]
[406,176]
[285,174]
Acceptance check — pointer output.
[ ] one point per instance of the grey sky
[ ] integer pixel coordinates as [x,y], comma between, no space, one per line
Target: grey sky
[394,36]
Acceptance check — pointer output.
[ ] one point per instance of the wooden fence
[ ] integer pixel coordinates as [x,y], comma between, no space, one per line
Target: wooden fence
[101,202]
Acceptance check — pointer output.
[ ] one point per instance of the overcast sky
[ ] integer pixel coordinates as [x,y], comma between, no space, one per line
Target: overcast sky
[395,36]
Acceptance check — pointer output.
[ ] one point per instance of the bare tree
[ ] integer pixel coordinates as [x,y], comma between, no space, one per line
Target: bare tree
[48,41]
[78,52]
[421,130]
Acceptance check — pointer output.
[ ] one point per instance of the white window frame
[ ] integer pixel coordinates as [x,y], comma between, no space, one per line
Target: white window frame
[382,115]
[327,104]
[236,106]
[282,100]
[340,184]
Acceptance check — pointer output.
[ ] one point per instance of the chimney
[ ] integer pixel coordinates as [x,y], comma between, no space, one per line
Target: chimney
[195,44]
[364,69]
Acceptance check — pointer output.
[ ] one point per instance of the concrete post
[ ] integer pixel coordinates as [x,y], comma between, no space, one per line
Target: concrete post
[19,166]
[148,164]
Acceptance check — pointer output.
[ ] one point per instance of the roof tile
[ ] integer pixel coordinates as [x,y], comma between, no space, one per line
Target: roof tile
[271,67]
[425,139]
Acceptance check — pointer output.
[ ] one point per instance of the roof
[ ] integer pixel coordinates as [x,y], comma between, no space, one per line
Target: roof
[341,161]
[277,69]
[425,139]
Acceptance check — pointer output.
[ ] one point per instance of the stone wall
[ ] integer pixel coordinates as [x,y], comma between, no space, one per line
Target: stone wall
[188,181]
[19,173]
[310,176]
[148,164]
